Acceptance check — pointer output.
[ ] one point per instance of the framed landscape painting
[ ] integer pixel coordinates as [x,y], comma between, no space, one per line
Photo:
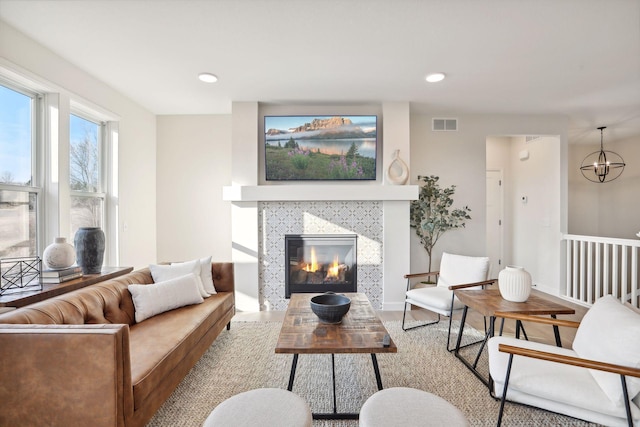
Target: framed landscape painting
[323,148]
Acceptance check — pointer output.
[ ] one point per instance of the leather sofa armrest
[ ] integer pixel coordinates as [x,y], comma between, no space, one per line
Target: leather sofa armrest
[65,375]
[223,276]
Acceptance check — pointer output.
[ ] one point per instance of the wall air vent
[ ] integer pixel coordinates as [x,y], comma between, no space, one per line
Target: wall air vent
[531,138]
[442,124]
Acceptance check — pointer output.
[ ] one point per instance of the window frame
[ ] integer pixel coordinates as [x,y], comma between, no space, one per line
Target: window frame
[50,139]
[101,194]
[37,159]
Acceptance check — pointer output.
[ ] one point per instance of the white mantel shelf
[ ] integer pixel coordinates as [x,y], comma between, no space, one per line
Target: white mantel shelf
[314,192]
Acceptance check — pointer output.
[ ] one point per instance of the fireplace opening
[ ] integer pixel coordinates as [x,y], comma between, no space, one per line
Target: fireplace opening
[320,263]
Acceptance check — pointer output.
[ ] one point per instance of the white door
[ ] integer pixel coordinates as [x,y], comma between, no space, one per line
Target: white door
[494,222]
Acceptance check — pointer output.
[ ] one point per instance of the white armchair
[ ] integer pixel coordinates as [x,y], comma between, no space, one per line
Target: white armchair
[456,272]
[597,380]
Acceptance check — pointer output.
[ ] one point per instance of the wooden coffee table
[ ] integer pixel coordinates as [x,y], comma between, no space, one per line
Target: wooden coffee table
[488,302]
[360,331]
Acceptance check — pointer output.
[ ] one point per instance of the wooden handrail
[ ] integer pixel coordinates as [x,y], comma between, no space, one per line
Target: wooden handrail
[537,319]
[471,285]
[570,360]
[411,276]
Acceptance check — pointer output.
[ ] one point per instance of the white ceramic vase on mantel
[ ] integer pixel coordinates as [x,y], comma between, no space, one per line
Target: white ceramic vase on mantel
[59,254]
[397,172]
[514,283]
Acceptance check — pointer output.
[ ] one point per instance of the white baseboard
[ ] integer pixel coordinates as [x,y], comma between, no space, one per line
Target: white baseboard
[393,306]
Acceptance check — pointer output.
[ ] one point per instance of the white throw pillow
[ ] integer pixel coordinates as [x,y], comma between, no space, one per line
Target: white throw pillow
[160,273]
[610,332]
[205,274]
[159,297]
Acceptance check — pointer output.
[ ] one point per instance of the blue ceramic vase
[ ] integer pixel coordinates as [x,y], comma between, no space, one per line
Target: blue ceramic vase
[89,244]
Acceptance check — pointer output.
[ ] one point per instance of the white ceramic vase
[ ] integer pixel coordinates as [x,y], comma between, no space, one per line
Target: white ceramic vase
[514,283]
[397,172]
[59,254]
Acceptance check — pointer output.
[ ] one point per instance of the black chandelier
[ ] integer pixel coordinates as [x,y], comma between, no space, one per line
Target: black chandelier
[602,166]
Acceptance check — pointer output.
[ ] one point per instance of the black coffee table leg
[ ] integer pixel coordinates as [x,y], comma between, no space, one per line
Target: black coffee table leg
[292,376]
[376,369]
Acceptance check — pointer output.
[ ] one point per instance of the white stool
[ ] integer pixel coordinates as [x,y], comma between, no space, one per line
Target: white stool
[409,407]
[261,407]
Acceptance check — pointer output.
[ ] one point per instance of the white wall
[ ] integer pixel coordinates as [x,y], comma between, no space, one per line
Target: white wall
[608,209]
[584,196]
[193,165]
[459,158]
[137,138]
[535,222]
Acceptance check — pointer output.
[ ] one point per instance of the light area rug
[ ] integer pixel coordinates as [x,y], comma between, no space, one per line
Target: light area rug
[244,359]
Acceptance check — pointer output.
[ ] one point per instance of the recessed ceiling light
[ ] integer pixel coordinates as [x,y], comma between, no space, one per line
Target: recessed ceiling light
[207,77]
[435,77]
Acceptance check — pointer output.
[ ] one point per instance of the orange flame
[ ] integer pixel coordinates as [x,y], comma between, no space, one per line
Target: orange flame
[313,267]
[334,270]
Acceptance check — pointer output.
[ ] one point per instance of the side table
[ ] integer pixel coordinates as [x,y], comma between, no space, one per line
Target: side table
[488,302]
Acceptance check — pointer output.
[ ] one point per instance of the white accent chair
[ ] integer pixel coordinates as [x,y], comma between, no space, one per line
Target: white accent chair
[456,272]
[597,380]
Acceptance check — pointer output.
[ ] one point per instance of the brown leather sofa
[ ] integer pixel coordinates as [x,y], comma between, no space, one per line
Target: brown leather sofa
[80,359]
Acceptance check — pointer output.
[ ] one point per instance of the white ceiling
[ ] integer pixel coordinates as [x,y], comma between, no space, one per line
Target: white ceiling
[579,58]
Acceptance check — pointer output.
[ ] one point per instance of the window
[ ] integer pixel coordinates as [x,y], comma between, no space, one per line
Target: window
[86,173]
[19,193]
[43,195]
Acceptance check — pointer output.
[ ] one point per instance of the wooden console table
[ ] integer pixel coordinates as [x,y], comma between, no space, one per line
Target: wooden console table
[20,299]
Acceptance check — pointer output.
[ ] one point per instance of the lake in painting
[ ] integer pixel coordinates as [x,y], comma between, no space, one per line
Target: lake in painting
[320,147]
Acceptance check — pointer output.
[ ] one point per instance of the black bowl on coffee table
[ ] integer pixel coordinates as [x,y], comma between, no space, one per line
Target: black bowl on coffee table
[330,307]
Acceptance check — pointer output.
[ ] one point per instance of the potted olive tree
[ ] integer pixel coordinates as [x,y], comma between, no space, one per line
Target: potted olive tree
[432,215]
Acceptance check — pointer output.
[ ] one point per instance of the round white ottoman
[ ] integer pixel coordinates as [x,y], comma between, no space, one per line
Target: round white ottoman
[409,407]
[261,407]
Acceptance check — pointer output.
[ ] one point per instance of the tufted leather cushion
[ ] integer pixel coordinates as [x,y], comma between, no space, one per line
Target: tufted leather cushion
[106,302]
[159,343]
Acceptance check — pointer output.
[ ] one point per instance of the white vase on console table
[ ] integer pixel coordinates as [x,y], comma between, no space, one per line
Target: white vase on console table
[514,283]
[59,254]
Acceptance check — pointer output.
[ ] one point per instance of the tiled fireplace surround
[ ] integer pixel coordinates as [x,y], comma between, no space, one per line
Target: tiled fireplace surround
[381,226]
[363,218]
[262,213]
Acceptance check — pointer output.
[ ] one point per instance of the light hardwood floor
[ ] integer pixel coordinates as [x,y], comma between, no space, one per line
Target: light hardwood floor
[536,332]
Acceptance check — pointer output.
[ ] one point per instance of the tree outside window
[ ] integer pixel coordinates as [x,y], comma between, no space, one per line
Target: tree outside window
[18,195]
[87,197]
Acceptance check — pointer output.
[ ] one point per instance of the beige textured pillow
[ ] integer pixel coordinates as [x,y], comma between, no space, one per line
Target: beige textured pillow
[156,298]
[160,273]
[205,274]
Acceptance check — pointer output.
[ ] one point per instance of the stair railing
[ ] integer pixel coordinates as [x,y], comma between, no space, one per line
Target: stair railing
[598,266]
